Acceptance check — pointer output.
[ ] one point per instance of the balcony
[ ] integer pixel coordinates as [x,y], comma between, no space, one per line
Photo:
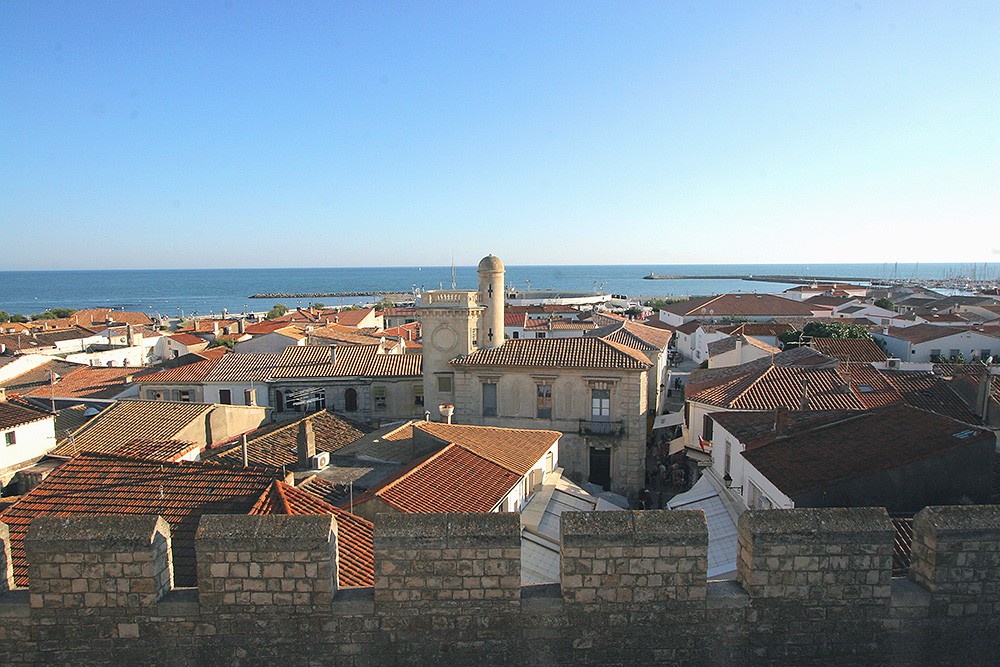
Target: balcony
[602,428]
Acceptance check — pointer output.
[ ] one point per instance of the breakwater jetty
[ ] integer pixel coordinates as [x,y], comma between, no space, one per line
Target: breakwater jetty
[330,295]
[794,280]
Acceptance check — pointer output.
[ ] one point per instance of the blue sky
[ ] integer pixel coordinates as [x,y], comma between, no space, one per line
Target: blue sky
[234,133]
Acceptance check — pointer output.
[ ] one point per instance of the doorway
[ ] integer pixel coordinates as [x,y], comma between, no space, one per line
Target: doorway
[600,467]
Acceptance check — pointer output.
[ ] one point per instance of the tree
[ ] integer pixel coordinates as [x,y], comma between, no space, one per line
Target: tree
[4,316]
[18,318]
[224,341]
[634,311]
[54,313]
[658,304]
[384,304]
[320,305]
[278,310]
[824,330]
[884,303]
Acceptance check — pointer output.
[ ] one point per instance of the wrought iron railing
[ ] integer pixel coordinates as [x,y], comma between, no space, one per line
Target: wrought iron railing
[599,427]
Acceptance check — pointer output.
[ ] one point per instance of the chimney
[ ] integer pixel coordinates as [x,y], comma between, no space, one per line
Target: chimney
[333,354]
[244,450]
[983,395]
[305,443]
[241,326]
[446,410]
[804,401]
[129,335]
[215,327]
[780,419]
[129,379]
[3,395]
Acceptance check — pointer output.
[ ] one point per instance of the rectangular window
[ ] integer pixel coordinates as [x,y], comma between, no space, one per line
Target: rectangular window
[444,384]
[550,462]
[935,354]
[600,404]
[249,397]
[184,396]
[10,438]
[226,396]
[544,401]
[540,334]
[379,396]
[475,336]
[514,335]
[729,456]
[985,354]
[758,501]
[707,428]
[418,394]
[151,395]
[954,352]
[489,399]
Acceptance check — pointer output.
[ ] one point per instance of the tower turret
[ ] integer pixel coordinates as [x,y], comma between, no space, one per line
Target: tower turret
[491,296]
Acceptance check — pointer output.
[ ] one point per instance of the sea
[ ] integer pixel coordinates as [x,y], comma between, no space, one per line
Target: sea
[188,292]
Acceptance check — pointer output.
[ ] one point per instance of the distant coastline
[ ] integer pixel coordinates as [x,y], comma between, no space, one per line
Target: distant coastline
[176,292]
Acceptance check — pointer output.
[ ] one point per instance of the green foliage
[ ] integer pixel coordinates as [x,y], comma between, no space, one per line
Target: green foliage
[319,304]
[54,313]
[18,318]
[4,316]
[634,311]
[278,310]
[224,341]
[824,330]
[945,359]
[884,303]
[384,303]
[658,303]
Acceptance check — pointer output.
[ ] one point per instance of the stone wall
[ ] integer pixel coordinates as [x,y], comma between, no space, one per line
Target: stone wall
[813,587]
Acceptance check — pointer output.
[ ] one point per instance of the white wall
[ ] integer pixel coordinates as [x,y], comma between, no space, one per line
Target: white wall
[33,441]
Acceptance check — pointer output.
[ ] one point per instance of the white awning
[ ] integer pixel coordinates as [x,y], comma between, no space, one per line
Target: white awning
[669,419]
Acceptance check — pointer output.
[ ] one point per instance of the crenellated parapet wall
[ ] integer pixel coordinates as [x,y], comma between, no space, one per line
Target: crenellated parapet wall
[813,587]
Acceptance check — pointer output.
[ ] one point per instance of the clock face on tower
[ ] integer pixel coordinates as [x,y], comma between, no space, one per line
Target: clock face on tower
[444,338]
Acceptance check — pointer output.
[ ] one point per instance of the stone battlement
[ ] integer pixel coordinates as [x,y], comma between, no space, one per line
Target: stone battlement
[813,587]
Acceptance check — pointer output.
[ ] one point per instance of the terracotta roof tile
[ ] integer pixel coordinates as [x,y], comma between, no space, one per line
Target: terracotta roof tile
[89,382]
[515,449]
[188,339]
[309,361]
[921,333]
[740,305]
[242,367]
[93,316]
[582,352]
[92,484]
[451,480]
[130,421]
[158,450]
[275,444]
[12,415]
[930,392]
[188,374]
[634,335]
[850,349]
[868,443]
[356,556]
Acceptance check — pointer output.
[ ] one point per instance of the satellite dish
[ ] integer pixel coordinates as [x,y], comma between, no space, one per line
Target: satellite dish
[90,411]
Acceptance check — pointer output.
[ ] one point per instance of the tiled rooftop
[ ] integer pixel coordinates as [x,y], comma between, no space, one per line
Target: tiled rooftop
[12,415]
[634,335]
[311,361]
[850,349]
[451,480]
[92,484]
[740,305]
[275,444]
[356,557]
[868,443]
[515,449]
[89,382]
[130,421]
[188,374]
[583,352]
[242,368]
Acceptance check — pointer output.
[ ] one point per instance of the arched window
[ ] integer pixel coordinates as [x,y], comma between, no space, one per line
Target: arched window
[351,399]
[321,399]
